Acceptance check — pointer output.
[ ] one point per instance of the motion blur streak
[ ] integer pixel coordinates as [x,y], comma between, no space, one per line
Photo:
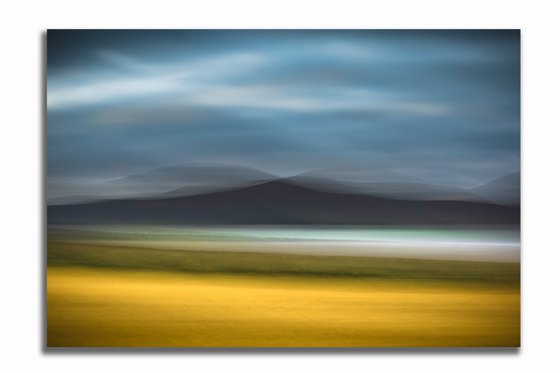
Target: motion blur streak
[104,308]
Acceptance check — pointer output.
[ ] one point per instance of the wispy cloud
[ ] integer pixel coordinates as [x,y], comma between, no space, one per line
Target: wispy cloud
[129,78]
[443,103]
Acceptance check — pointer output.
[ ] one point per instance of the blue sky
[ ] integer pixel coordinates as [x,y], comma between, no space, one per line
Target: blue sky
[439,105]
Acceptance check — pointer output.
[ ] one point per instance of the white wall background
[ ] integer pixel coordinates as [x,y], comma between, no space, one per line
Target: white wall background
[22,24]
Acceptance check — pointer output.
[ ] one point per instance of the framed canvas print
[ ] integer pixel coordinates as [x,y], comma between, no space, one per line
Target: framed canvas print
[283,188]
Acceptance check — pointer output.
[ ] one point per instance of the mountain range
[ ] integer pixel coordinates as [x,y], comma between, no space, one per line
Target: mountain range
[199,178]
[281,201]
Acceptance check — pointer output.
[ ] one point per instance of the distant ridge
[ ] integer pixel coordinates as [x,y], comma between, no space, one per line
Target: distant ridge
[393,190]
[504,190]
[280,202]
[172,180]
[194,178]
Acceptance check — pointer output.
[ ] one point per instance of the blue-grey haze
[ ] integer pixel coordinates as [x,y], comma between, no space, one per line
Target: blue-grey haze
[443,106]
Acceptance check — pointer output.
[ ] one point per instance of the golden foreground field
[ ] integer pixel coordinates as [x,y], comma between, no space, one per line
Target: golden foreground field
[103,307]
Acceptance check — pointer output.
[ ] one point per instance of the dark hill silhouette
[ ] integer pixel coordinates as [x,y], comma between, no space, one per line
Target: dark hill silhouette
[198,176]
[391,190]
[172,180]
[280,202]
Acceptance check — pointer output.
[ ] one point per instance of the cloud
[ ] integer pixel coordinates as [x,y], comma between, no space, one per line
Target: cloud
[444,103]
[129,79]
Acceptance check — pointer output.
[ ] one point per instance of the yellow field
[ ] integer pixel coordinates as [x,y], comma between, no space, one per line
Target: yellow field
[90,307]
